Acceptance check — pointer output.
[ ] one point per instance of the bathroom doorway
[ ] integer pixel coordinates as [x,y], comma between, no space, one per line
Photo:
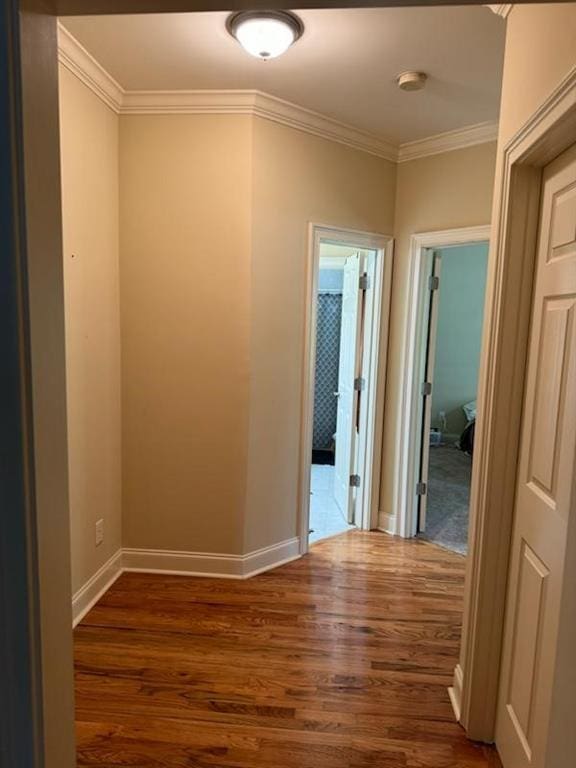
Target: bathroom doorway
[349,308]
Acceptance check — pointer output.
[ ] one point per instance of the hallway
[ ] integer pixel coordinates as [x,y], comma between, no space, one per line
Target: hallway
[340,659]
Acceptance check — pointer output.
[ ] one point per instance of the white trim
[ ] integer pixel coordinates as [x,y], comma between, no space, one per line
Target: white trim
[202,102]
[470,136]
[501,10]
[388,523]
[207,564]
[455,693]
[77,60]
[374,366]
[257,104]
[81,63]
[88,595]
[267,558]
[183,563]
[284,112]
[547,133]
[405,471]
[213,565]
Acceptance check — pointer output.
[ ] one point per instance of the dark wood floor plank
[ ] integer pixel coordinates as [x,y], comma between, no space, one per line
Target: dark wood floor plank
[339,660]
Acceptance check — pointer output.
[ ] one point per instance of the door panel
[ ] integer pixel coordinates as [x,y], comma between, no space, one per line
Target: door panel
[545,489]
[430,354]
[347,396]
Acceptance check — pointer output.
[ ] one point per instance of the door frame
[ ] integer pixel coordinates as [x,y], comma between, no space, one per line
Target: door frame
[406,474]
[549,131]
[373,365]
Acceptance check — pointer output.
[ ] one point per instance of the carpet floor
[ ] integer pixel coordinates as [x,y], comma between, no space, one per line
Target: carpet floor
[448,498]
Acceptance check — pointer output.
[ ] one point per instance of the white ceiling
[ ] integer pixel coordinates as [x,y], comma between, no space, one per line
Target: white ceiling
[344,66]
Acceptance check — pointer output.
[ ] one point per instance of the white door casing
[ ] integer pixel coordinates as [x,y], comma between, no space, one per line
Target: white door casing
[347,395]
[545,495]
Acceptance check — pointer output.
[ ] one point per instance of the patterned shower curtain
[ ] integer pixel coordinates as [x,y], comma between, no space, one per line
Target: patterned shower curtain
[326,374]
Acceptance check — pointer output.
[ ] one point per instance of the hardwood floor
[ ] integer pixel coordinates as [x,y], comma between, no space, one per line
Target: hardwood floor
[338,660]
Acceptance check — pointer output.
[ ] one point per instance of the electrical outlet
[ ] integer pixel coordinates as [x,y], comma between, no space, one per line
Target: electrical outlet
[99,532]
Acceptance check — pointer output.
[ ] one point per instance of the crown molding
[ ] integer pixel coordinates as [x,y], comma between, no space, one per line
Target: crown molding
[259,104]
[501,10]
[77,60]
[302,119]
[471,135]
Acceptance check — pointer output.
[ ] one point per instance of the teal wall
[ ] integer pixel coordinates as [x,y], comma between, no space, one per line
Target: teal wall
[459,332]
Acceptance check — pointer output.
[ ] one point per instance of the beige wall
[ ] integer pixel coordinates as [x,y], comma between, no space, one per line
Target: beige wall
[298,179]
[212,379]
[185,291]
[89,157]
[540,51]
[445,191]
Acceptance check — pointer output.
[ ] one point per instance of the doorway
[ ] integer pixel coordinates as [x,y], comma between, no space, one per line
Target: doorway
[349,294]
[442,359]
[451,360]
[339,320]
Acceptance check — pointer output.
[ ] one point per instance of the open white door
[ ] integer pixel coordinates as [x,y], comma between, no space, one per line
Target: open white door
[347,395]
[546,491]
[429,354]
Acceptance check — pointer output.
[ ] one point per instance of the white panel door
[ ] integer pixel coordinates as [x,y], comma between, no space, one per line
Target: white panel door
[545,487]
[347,396]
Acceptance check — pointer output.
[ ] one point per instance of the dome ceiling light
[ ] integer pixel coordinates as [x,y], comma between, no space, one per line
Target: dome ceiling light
[265,34]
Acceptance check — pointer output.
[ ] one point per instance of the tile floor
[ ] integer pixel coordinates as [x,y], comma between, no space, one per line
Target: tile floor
[326,519]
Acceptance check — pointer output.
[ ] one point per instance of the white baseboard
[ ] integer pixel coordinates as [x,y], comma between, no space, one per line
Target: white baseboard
[213,565]
[270,557]
[95,587]
[183,563]
[387,522]
[455,692]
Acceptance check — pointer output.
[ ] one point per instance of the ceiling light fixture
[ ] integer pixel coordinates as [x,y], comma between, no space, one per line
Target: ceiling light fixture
[265,34]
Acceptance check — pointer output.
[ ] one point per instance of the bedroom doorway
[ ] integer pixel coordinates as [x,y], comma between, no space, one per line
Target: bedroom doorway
[449,272]
[452,342]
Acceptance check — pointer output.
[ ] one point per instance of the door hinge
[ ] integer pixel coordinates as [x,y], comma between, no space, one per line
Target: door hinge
[359,384]
[421,489]
[433,283]
[355,481]
[364,282]
[426,388]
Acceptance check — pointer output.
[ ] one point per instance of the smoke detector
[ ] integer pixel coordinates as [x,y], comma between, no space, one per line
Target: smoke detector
[411,81]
